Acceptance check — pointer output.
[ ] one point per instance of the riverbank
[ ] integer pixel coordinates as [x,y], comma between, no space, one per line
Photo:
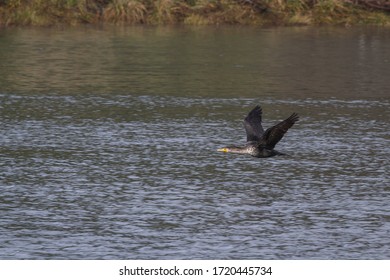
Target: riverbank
[194,12]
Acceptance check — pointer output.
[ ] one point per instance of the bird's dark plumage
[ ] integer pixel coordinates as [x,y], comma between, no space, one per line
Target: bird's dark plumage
[261,143]
[252,124]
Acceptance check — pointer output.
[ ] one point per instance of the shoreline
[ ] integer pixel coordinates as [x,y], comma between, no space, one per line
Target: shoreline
[194,12]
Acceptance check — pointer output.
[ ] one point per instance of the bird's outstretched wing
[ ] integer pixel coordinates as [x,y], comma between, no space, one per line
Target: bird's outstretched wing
[252,123]
[273,134]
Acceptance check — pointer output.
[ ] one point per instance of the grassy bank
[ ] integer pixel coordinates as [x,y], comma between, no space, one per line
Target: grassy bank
[194,12]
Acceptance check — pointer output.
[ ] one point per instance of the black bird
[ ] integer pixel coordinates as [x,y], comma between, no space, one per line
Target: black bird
[261,143]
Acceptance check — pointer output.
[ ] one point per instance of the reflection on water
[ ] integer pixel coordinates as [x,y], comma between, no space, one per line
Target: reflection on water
[230,62]
[108,144]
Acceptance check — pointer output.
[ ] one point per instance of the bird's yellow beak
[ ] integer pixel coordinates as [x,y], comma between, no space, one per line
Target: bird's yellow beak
[225,150]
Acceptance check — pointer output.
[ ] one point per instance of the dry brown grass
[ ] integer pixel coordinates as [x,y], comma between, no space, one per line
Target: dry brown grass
[194,12]
[51,12]
[170,11]
[337,12]
[223,12]
[126,11]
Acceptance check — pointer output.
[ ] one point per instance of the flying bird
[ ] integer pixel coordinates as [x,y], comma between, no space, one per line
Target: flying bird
[261,143]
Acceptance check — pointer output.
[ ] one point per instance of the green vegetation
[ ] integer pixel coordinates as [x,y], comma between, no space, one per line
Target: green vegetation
[194,12]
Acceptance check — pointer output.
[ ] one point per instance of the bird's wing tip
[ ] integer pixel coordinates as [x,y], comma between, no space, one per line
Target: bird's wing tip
[294,116]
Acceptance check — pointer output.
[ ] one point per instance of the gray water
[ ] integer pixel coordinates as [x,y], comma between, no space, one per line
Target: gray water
[109,136]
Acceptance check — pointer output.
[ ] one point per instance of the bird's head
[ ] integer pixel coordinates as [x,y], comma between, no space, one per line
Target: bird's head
[225,150]
[231,149]
[234,149]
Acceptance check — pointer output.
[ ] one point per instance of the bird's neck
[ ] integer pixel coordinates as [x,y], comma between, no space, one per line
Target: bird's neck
[239,150]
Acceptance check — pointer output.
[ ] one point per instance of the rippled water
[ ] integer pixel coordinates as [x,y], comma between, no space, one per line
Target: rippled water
[109,136]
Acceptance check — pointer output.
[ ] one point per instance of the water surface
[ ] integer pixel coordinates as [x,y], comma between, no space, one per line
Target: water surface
[108,143]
